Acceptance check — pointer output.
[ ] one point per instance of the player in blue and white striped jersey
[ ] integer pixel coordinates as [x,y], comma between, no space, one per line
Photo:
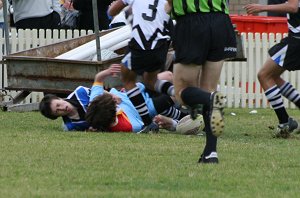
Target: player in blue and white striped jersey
[72,109]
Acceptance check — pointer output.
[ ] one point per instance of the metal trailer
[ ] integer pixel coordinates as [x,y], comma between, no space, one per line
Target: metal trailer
[38,70]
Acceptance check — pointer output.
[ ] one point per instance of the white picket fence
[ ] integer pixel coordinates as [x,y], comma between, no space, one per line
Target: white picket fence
[238,79]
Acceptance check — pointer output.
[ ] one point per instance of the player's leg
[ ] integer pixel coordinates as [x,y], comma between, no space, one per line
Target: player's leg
[288,91]
[197,98]
[210,75]
[213,117]
[165,106]
[165,75]
[267,76]
[129,74]
[150,62]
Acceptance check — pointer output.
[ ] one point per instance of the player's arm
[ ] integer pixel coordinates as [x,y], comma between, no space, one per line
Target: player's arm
[116,7]
[97,88]
[113,70]
[291,6]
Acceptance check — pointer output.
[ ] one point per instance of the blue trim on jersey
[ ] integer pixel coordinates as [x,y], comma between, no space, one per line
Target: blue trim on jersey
[126,61]
[81,94]
[75,126]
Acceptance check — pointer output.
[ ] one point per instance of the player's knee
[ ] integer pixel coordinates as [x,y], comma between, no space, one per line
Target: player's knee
[261,75]
[166,75]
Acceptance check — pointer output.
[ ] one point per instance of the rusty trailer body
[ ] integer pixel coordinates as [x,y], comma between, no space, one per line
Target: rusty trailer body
[37,69]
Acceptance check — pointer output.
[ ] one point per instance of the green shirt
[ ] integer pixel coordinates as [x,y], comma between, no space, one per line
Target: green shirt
[182,7]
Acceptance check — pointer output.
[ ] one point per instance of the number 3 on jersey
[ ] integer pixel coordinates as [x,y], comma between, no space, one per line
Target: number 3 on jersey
[154,11]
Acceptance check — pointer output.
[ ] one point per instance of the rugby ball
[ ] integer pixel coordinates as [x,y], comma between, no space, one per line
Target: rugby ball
[188,126]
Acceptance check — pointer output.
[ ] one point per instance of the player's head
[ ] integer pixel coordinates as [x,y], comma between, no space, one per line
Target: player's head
[101,113]
[53,107]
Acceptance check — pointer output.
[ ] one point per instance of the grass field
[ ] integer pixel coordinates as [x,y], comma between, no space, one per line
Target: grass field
[39,160]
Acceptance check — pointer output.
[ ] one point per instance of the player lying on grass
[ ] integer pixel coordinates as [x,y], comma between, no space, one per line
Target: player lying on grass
[107,113]
[114,111]
[74,107]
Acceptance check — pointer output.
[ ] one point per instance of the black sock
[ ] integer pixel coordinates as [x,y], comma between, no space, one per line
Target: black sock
[211,140]
[162,102]
[192,96]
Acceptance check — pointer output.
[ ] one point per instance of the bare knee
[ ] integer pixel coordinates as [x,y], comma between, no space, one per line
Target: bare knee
[261,75]
[166,75]
[264,76]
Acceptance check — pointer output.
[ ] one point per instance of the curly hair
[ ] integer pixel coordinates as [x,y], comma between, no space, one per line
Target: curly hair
[45,106]
[101,112]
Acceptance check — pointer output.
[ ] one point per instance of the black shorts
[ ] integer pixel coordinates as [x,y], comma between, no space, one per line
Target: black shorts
[50,21]
[141,61]
[201,37]
[286,53]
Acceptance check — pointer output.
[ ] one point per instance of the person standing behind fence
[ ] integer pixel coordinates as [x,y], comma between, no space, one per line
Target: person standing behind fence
[36,14]
[203,38]
[283,56]
[85,7]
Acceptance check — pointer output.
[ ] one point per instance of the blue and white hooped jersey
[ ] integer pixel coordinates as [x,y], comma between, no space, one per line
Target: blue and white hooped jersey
[151,25]
[294,22]
[79,98]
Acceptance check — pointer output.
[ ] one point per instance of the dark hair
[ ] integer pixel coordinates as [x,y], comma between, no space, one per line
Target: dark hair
[101,112]
[45,106]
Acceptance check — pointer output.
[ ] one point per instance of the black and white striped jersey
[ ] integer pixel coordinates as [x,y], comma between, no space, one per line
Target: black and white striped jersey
[151,25]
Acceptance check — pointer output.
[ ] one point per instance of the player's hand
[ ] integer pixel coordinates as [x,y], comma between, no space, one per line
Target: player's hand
[115,70]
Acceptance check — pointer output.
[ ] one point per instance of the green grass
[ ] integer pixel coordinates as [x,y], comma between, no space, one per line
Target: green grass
[37,159]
